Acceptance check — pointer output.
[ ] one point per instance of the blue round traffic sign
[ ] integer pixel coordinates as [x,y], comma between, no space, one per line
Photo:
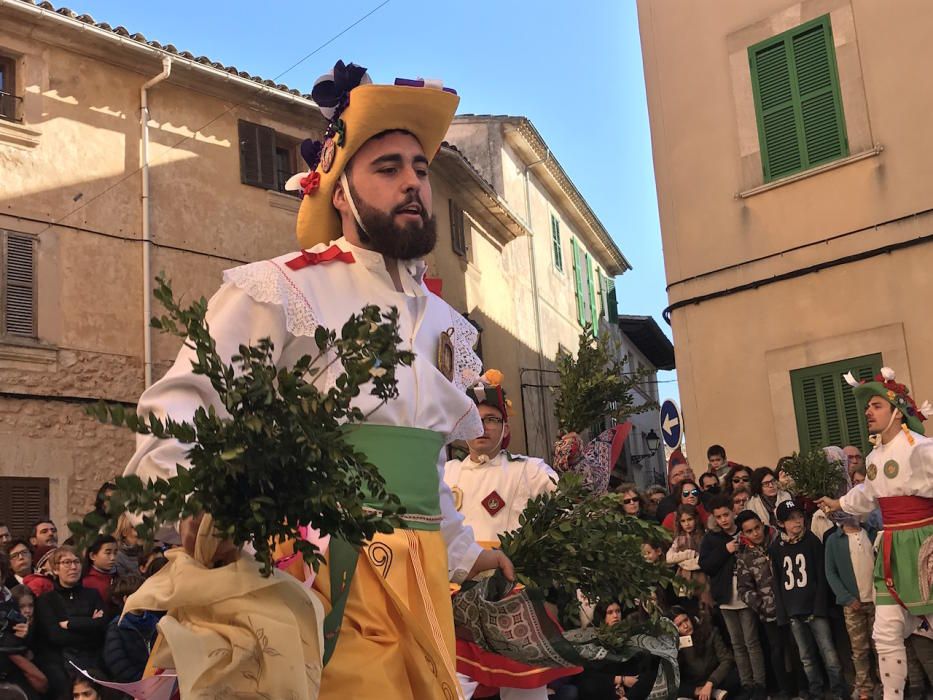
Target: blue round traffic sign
[672,429]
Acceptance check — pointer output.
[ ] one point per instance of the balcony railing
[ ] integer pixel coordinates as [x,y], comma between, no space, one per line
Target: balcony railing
[10,106]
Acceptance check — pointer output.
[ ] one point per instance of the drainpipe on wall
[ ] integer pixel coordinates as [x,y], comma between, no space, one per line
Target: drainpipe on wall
[147,234]
[534,292]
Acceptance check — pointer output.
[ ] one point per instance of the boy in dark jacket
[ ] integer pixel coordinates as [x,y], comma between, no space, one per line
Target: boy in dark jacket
[717,560]
[755,582]
[129,639]
[850,563]
[801,598]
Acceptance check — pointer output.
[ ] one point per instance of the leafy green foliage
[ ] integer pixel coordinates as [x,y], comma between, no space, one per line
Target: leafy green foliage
[814,475]
[276,457]
[595,385]
[570,539]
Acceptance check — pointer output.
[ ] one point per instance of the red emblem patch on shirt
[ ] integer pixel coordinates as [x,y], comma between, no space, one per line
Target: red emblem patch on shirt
[493,503]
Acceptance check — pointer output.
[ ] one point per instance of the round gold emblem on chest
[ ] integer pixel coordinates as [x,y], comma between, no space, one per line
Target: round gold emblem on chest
[872,472]
[891,468]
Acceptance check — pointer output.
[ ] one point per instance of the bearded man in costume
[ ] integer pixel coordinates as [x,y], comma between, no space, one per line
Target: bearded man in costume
[365,223]
[900,481]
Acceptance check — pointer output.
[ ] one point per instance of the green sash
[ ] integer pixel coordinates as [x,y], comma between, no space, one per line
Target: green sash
[407,460]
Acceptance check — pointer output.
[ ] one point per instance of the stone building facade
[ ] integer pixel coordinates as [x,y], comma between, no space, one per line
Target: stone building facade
[79,227]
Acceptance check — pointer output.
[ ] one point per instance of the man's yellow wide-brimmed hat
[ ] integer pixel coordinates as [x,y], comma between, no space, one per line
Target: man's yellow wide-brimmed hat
[358,112]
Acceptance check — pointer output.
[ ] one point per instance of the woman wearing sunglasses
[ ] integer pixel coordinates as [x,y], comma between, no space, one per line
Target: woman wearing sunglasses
[631,500]
[689,494]
[739,476]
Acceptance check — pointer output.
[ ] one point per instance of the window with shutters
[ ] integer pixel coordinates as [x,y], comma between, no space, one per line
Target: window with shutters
[557,252]
[609,299]
[23,501]
[267,159]
[9,100]
[582,283]
[18,291]
[591,288]
[795,83]
[826,409]
[457,230]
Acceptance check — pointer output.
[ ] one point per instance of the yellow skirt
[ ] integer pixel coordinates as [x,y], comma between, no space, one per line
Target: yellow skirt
[397,635]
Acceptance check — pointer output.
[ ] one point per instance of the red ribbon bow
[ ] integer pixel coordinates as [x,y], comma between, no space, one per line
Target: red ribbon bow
[306,258]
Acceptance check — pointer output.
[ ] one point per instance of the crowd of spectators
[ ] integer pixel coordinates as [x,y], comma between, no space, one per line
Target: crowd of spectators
[61,611]
[772,599]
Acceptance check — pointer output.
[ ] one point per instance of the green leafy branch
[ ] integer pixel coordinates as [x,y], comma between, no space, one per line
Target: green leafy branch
[814,475]
[595,385]
[272,456]
[570,540]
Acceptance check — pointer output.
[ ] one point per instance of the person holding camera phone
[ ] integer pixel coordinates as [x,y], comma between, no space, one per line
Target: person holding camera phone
[707,666]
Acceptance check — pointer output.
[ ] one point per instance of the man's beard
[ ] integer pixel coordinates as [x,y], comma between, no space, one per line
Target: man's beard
[384,236]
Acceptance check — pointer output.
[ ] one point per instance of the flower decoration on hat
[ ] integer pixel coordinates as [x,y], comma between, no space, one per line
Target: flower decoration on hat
[898,395]
[331,92]
[488,390]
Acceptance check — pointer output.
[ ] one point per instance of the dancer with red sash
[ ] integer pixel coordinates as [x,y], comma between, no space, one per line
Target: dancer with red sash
[900,482]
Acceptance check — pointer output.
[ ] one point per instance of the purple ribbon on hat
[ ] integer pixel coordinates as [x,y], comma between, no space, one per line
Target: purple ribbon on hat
[407,82]
[333,92]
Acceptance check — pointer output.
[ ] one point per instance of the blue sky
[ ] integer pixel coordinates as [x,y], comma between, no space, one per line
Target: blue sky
[573,68]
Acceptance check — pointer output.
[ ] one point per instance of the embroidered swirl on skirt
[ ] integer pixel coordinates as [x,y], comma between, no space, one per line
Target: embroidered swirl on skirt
[381,557]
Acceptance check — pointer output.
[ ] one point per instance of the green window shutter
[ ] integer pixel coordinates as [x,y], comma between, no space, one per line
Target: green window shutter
[826,409]
[578,282]
[612,301]
[556,249]
[591,288]
[797,101]
[585,313]
[601,293]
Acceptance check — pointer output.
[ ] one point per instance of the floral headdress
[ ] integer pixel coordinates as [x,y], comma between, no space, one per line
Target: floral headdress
[895,393]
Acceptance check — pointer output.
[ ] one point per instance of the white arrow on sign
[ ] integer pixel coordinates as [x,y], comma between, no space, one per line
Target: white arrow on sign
[670,422]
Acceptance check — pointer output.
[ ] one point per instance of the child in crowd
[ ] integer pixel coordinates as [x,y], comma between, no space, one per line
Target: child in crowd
[685,554]
[801,599]
[665,597]
[100,566]
[130,637]
[755,583]
[129,548]
[850,563]
[717,559]
[85,689]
